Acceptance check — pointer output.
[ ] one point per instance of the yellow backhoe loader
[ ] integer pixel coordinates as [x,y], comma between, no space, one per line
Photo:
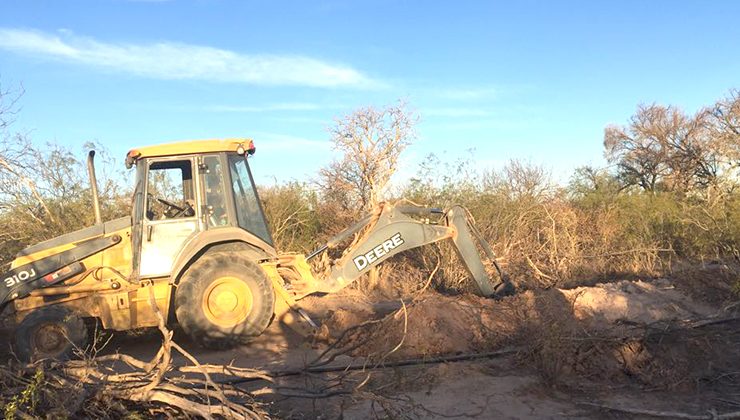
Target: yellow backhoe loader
[197,237]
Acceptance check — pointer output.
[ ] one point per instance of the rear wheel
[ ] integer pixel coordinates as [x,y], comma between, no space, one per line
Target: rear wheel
[224,299]
[53,332]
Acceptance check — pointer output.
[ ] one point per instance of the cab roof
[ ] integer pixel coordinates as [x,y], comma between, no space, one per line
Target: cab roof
[190,147]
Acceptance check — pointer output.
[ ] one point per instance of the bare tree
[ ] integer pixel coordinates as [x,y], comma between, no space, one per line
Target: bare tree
[588,180]
[8,106]
[663,148]
[370,140]
[523,179]
[725,127]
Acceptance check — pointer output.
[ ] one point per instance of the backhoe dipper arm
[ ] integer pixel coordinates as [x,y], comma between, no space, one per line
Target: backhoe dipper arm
[392,231]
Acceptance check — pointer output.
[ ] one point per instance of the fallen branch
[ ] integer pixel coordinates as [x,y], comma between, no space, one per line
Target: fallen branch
[156,386]
[706,322]
[711,415]
[362,364]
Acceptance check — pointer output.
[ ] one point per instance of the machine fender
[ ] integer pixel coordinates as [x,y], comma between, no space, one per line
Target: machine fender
[222,239]
[20,281]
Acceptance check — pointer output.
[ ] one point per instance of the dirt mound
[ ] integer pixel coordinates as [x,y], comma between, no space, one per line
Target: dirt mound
[439,324]
[610,332]
[634,301]
[713,283]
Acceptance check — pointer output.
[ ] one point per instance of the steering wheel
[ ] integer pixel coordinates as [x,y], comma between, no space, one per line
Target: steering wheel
[186,210]
[170,204]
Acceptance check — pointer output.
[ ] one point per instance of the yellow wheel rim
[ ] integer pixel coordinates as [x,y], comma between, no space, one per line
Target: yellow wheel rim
[227,301]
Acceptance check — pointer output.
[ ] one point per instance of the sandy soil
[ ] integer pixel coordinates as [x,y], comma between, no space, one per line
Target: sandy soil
[626,343]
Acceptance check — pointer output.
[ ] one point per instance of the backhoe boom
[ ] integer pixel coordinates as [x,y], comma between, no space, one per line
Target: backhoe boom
[390,230]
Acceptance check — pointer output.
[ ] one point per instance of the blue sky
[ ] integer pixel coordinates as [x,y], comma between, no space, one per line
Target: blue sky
[535,80]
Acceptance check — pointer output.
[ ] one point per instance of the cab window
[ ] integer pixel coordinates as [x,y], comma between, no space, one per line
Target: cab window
[170,190]
[248,210]
[215,198]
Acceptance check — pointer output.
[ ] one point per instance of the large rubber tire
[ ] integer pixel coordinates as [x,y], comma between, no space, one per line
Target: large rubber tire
[52,332]
[224,299]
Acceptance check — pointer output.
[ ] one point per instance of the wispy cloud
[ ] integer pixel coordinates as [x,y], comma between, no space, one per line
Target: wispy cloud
[462,94]
[296,119]
[275,142]
[289,106]
[452,112]
[177,61]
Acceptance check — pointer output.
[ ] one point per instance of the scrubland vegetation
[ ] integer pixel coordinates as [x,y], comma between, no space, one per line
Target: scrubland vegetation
[669,199]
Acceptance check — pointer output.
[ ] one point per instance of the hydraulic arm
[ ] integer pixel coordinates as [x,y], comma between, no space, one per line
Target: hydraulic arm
[390,230]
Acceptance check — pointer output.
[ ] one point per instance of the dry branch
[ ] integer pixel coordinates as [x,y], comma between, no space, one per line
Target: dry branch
[711,415]
[155,386]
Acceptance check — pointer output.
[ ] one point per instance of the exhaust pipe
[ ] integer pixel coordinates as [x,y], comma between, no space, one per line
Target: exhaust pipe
[94,186]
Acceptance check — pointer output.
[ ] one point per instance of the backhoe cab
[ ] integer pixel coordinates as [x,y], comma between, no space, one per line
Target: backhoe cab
[197,250]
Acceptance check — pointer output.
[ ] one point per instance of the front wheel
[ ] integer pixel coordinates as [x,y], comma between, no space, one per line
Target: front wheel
[224,299]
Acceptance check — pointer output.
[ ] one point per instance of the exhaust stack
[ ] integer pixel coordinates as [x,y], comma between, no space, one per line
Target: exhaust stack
[94,186]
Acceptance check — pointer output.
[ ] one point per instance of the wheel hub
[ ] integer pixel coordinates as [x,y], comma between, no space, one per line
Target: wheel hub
[227,301]
[49,339]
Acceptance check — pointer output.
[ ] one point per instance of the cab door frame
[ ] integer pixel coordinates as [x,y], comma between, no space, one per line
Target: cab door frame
[157,243]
